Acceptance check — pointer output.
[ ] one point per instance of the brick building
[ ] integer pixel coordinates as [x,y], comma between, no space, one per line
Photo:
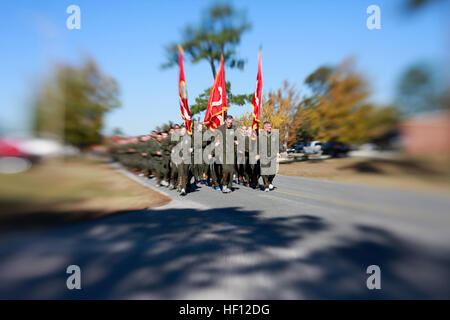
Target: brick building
[426,133]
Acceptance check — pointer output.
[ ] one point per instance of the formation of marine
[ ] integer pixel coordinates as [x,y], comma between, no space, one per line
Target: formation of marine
[152,156]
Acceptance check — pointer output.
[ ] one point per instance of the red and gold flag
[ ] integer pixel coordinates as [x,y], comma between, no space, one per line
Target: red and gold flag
[217,104]
[256,101]
[182,91]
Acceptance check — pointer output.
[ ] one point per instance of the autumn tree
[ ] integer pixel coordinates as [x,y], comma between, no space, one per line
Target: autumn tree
[381,120]
[337,108]
[72,103]
[300,130]
[278,107]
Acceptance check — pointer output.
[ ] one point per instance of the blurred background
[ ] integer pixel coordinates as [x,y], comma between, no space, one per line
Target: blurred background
[359,90]
[352,103]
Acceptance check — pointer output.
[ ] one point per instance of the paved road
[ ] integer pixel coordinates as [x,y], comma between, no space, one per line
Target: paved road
[307,239]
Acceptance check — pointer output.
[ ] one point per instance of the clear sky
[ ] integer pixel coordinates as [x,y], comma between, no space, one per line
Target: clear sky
[127,39]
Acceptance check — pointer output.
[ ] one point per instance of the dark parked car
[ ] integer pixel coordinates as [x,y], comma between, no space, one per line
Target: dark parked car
[296,148]
[335,149]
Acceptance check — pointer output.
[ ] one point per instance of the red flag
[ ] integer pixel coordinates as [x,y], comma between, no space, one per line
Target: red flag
[217,104]
[182,91]
[256,101]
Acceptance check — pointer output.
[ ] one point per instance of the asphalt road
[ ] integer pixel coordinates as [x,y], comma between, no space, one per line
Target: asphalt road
[308,239]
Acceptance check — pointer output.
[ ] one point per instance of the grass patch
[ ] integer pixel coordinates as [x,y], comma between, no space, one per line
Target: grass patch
[69,191]
[421,174]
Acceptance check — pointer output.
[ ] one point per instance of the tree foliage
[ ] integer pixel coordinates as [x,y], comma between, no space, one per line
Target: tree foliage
[118,132]
[201,102]
[72,103]
[336,108]
[419,90]
[414,5]
[278,107]
[219,33]
[339,108]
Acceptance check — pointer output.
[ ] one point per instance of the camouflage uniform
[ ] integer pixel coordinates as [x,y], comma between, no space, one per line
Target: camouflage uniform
[199,169]
[169,167]
[226,170]
[158,160]
[184,169]
[268,179]
[252,169]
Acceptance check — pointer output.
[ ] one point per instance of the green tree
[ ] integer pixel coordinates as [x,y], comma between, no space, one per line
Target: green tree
[300,130]
[218,34]
[117,132]
[71,104]
[201,102]
[420,90]
[318,80]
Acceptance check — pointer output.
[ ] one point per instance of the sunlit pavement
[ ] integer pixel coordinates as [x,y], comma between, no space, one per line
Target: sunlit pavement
[307,239]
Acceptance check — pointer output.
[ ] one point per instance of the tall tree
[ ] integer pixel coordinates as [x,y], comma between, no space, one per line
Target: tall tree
[318,80]
[334,116]
[420,90]
[71,104]
[338,108]
[300,130]
[218,33]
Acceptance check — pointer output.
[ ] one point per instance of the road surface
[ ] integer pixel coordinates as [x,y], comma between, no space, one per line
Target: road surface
[308,239]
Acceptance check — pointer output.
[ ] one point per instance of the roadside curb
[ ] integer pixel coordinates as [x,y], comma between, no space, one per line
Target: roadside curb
[125,172]
[175,202]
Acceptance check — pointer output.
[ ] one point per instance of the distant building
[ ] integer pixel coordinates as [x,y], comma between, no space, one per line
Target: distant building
[426,133]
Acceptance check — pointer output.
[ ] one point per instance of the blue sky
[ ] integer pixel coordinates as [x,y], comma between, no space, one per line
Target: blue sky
[127,39]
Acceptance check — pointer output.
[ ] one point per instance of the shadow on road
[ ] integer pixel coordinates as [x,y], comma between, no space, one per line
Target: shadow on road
[188,253]
[407,271]
[387,166]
